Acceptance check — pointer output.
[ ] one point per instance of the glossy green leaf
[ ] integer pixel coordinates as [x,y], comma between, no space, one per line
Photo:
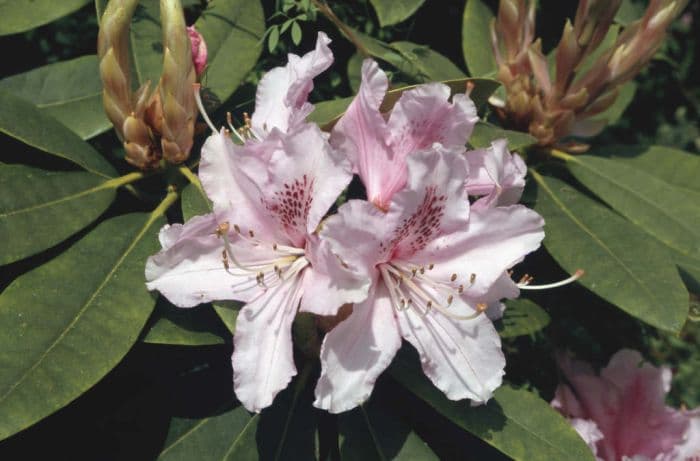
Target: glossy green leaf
[196,326]
[355,72]
[514,421]
[394,11]
[283,431]
[370,433]
[194,202]
[424,64]
[69,91]
[623,264]
[521,317]
[476,39]
[484,133]
[66,324]
[147,43]
[670,215]
[39,208]
[21,15]
[233,30]
[226,436]
[677,168]
[326,113]
[23,121]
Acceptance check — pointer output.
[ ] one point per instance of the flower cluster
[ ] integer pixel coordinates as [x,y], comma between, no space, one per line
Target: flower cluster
[621,413]
[415,260]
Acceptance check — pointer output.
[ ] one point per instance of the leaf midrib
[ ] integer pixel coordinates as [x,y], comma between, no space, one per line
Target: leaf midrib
[593,236]
[82,310]
[688,229]
[67,198]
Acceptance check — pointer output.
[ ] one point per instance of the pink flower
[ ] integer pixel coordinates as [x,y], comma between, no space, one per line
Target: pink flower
[434,270]
[199,50]
[378,148]
[496,175]
[260,245]
[621,413]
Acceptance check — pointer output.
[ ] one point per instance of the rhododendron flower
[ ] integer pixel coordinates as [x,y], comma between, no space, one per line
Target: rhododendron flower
[378,148]
[496,175]
[621,413]
[199,50]
[434,270]
[259,246]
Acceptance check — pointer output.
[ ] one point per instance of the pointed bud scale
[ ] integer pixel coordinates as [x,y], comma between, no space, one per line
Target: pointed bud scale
[176,91]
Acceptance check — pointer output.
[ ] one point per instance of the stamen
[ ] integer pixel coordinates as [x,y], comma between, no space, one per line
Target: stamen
[472,279]
[198,99]
[453,278]
[222,229]
[577,275]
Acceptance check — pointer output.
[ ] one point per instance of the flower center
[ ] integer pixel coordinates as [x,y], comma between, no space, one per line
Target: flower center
[413,288]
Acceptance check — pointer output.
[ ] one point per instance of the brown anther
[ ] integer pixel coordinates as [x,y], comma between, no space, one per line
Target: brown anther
[453,277]
[222,229]
[422,270]
[470,87]
[224,257]
[274,247]
[237,229]
[472,279]
[429,304]
[430,266]
[460,289]
[481,307]
[449,300]
[413,272]
[251,233]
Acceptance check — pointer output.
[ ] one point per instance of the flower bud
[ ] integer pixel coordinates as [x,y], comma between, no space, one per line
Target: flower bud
[199,50]
[176,91]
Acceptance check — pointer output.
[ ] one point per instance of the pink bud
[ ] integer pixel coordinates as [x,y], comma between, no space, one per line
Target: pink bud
[199,50]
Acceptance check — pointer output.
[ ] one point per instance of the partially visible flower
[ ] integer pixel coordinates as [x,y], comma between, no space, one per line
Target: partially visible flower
[199,50]
[378,147]
[496,175]
[260,246]
[435,268]
[621,412]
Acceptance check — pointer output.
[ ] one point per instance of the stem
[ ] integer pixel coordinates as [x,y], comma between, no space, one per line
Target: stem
[160,210]
[556,153]
[123,180]
[191,177]
[349,34]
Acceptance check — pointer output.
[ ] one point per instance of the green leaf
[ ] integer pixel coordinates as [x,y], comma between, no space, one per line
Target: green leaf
[326,113]
[667,213]
[670,215]
[21,15]
[370,433]
[629,12]
[424,64]
[147,43]
[484,133]
[69,91]
[194,202]
[616,255]
[21,120]
[66,324]
[355,72]
[394,11]
[515,421]
[233,30]
[273,39]
[39,208]
[227,436]
[296,33]
[677,168]
[521,317]
[197,326]
[476,39]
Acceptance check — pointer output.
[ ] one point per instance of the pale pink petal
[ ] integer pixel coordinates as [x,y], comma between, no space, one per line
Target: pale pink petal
[234,193]
[332,282]
[476,258]
[263,360]
[361,134]
[589,432]
[495,174]
[463,358]
[689,448]
[503,288]
[305,178]
[356,352]
[433,201]
[280,101]
[423,116]
[190,268]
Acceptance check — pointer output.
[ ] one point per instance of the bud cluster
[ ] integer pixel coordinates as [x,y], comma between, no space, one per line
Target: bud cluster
[563,102]
[151,124]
